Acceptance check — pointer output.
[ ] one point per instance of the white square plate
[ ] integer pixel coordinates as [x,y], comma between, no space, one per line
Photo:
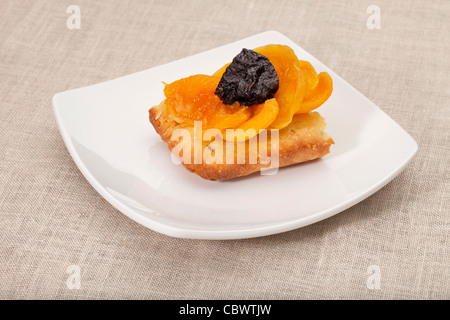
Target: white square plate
[106,130]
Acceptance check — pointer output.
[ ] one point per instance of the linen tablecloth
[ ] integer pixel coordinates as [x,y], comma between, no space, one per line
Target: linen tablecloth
[54,225]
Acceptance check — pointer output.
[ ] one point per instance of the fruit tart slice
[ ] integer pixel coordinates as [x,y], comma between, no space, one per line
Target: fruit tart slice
[251,115]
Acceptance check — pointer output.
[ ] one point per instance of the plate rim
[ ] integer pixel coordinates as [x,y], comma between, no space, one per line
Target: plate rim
[252,232]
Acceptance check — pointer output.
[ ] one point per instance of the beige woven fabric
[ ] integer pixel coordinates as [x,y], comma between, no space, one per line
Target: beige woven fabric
[51,218]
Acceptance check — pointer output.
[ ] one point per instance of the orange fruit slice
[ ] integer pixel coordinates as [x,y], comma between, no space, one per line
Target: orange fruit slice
[233,120]
[262,116]
[316,97]
[292,82]
[312,79]
[192,99]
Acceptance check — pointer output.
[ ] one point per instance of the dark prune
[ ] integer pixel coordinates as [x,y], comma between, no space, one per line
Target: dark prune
[249,79]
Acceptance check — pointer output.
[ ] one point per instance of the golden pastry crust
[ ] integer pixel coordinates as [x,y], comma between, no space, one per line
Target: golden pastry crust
[302,140]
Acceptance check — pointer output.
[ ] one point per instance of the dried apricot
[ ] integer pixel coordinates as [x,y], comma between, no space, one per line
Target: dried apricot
[193,99]
[312,79]
[262,116]
[292,79]
[316,97]
[233,120]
